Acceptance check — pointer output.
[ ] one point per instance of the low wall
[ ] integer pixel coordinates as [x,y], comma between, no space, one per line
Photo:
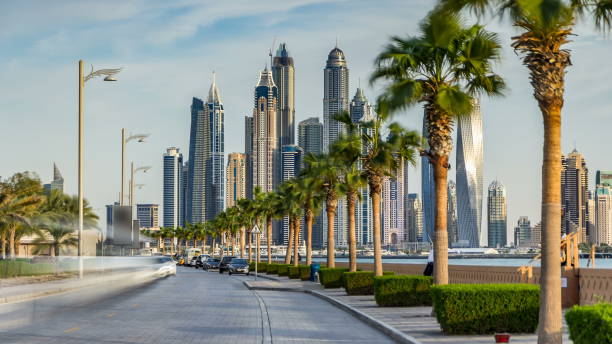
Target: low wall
[583,286]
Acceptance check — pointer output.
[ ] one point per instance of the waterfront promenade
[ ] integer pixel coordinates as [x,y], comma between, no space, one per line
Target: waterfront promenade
[192,307]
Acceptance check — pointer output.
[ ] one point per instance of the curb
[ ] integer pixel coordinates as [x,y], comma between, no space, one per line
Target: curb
[395,335]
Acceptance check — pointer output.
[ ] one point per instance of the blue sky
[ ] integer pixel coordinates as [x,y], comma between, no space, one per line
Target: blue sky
[168,50]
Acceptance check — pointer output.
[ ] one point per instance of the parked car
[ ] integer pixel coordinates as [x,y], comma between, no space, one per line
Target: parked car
[225,261]
[192,262]
[199,263]
[211,264]
[238,266]
[164,266]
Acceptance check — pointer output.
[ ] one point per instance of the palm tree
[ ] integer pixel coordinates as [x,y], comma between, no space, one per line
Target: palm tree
[443,68]
[310,198]
[329,171]
[269,209]
[544,30]
[61,236]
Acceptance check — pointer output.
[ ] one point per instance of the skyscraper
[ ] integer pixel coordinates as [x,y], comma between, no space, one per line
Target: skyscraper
[174,207]
[57,183]
[310,138]
[310,135]
[522,232]
[469,178]
[414,218]
[574,188]
[215,164]
[392,221]
[265,140]
[603,215]
[451,215]
[496,215]
[236,178]
[335,96]
[148,215]
[284,77]
[248,152]
[198,149]
[291,161]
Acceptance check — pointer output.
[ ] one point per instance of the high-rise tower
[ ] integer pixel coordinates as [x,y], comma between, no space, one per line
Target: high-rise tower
[265,155]
[174,206]
[291,162]
[414,218]
[469,178]
[283,72]
[57,183]
[497,221]
[335,96]
[603,215]
[574,188]
[248,152]
[451,215]
[198,152]
[215,164]
[235,178]
[310,138]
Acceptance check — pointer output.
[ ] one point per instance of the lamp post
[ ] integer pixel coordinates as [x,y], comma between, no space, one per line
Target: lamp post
[256,231]
[124,141]
[133,171]
[108,73]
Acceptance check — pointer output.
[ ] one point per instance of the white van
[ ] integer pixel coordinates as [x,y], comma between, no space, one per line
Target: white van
[190,253]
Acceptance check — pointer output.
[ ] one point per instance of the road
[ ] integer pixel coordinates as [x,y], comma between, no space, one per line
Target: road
[192,307]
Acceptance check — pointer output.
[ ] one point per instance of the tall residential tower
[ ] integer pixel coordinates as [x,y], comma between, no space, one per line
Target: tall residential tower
[174,207]
[265,154]
[497,222]
[283,73]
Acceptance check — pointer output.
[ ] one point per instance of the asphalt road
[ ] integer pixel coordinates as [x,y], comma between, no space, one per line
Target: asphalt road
[192,307]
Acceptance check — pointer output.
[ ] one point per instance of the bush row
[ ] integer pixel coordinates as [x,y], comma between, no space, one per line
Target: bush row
[402,290]
[590,324]
[15,268]
[332,277]
[361,282]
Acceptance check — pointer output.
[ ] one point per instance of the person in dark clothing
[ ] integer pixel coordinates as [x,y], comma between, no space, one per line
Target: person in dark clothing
[430,264]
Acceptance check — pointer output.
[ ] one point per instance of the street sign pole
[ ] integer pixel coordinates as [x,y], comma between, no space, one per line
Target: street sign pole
[256,231]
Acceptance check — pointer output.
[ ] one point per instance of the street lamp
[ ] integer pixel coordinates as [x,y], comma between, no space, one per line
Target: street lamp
[82,80]
[144,169]
[124,141]
[256,231]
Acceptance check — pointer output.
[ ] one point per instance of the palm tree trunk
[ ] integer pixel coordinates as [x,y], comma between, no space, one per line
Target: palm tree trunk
[3,243]
[269,237]
[352,240]
[332,205]
[296,242]
[440,171]
[250,246]
[242,242]
[12,231]
[550,322]
[309,219]
[375,190]
[289,242]
[233,241]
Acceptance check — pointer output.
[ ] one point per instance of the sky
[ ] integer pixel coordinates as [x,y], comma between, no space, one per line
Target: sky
[169,49]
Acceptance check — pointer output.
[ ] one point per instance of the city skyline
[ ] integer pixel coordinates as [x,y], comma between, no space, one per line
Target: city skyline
[507,120]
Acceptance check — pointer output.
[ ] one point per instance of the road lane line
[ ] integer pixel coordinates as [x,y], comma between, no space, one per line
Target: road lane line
[72,329]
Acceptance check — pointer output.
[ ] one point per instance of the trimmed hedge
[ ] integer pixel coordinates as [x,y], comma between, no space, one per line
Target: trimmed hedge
[332,277]
[402,290]
[294,272]
[361,282]
[590,324]
[272,269]
[19,267]
[261,267]
[486,308]
[304,272]
[283,269]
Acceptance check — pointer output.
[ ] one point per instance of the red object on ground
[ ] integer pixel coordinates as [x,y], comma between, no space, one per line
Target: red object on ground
[502,338]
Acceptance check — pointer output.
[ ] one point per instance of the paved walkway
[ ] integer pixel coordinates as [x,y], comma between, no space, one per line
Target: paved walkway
[415,322]
[192,307]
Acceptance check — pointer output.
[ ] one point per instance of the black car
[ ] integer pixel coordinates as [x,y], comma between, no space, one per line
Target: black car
[238,266]
[225,261]
[199,263]
[211,264]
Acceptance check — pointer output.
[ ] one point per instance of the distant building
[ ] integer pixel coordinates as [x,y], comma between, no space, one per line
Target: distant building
[497,224]
[198,150]
[393,207]
[265,140]
[248,155]
[414,218]
[235,178]
[173,184]
[291,158]
[148,215]
[603,178]
[603,215]
[310,135]
[522,232]
[57,183]
[283,72]
[574,188]
[451,215]
[215,164]
[469,177]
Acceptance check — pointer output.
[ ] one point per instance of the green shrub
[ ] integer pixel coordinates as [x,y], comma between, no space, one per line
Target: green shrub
[590,324]
[361,282]
[402,290]
[332,277]
[283,269]
[262,267]
[294,272]
[272,269]
[486,308]
[21,267]
[252,266]
[304,272]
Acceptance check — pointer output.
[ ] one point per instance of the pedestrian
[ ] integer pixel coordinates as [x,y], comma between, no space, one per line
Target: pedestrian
[430,264]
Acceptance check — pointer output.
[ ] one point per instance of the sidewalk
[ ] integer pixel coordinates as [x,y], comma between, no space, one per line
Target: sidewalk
[415,323]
